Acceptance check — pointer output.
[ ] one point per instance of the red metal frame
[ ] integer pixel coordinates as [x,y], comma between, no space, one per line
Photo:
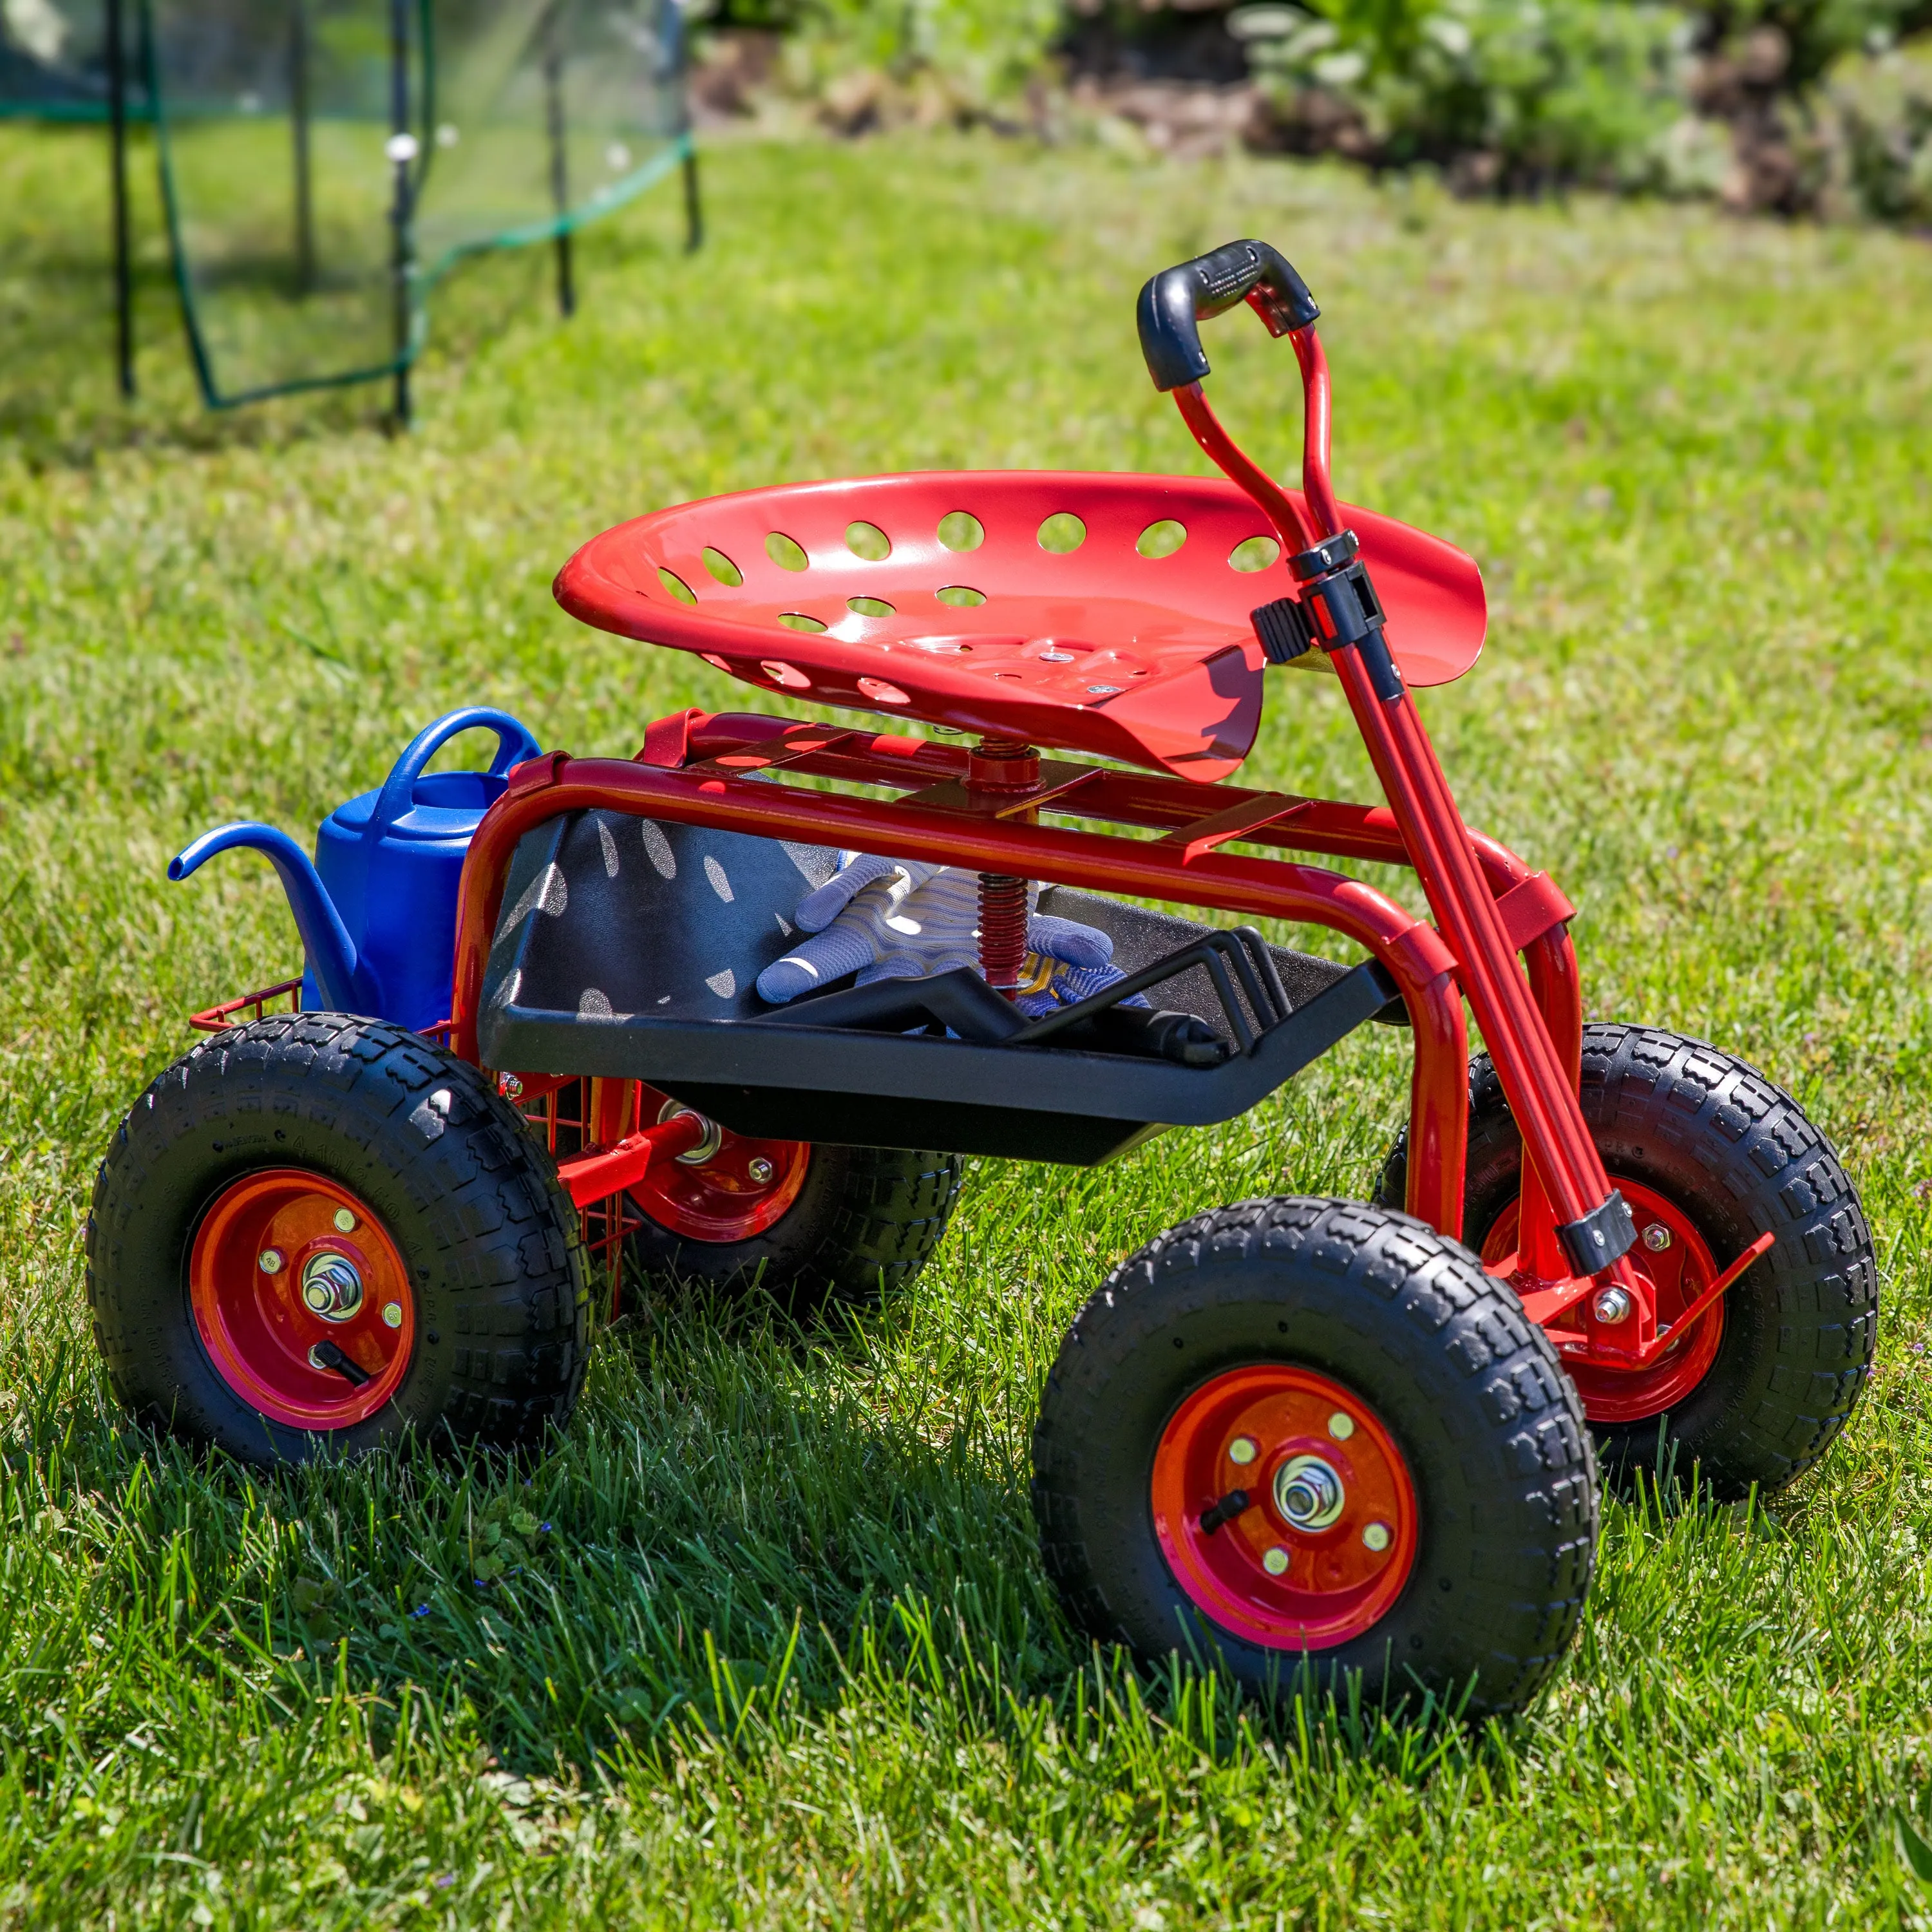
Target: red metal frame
[248,1007]
[983,811]
[718,771]
[1486,906]
[699,769]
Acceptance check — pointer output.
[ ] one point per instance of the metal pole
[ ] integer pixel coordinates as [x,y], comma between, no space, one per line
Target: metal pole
[559,159]
[124,272]
[672,47]
[299,122]
[402,151]
[694,212]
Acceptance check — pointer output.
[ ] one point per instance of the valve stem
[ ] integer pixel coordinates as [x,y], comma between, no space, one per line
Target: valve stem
[1225,1510]
[327,1355]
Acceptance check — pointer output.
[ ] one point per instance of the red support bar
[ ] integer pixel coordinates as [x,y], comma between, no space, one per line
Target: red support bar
[1761,1246]
[1222,450]
[1557,1145]
[1411,950]
[1315,483]
[709,791]
[594,1176]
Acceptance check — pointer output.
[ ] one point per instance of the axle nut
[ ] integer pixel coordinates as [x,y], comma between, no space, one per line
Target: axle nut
[1656,1237]
[1612,1305]
[1308,1493]
[332,1286]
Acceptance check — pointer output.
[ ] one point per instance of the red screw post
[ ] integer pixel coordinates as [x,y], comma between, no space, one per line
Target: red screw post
[1002,765]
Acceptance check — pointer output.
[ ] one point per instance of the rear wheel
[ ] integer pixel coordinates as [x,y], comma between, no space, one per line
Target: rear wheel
[810,1225]
[1314,1440]
[1709,1154]
[319,1232]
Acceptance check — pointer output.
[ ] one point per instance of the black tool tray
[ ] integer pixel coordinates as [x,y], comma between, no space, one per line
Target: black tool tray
[627,948]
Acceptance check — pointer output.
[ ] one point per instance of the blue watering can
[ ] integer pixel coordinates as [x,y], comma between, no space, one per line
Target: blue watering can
[376,909]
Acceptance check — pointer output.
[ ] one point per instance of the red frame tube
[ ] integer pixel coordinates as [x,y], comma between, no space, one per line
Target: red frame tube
[1487,905]
[944,823]
[1536,1052]
[595,1176]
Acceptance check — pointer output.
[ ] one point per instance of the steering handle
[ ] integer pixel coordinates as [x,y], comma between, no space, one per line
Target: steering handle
[1174,303]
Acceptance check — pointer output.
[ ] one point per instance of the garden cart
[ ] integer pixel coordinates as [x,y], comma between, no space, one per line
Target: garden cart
[1299,1435]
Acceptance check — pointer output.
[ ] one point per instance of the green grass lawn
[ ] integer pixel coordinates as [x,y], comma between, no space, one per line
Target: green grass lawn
[765,1639]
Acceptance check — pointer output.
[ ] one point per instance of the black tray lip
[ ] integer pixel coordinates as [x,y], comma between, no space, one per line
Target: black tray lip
[1004,1133]
[766,1053]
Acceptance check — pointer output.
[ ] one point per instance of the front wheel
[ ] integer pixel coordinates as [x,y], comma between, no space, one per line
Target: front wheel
[316,1232]
[1710,1155]
[1315,1441]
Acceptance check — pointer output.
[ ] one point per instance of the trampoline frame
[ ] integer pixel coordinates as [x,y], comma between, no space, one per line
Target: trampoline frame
[123,63]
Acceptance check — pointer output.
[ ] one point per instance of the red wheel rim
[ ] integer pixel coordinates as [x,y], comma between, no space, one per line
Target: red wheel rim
[735,1190]
[1279,1573]
[1680,1268]
[268,1237]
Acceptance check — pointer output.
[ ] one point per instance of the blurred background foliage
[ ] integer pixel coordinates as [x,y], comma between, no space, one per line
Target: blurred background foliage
[1795,107]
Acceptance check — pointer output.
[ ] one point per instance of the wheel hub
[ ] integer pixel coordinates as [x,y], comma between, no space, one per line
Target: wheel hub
[707,1147]
[301,1299]
[332,1286]
[1284,1506]
[1677,1262]
[728,1188]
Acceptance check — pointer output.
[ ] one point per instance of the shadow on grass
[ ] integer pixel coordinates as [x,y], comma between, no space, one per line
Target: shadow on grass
[745,1530]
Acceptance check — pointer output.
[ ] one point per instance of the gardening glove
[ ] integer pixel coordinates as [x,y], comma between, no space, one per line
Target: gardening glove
[900,919]
[1050,979]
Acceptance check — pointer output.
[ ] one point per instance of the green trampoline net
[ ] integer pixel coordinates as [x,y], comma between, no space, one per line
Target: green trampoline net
[54,61]
[323,161]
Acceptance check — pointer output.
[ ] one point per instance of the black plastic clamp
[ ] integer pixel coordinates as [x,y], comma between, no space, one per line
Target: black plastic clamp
[1600,1237]
[1338,608]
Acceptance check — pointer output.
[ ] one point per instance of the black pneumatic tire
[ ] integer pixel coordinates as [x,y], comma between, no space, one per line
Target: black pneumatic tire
[866,1220]
[489,1241]
[1489,1426]
[1738,1156]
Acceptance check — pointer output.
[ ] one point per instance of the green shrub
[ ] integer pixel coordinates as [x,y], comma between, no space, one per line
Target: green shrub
[1815,33]
[980,51]
[1880,113]
[1547,91]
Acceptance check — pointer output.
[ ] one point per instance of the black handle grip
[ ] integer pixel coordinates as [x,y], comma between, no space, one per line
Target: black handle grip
[1175,302]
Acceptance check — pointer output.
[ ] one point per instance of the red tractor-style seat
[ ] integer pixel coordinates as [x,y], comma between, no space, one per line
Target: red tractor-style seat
[1102,613]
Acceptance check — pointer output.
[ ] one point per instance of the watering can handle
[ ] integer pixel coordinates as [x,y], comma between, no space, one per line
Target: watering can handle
[1174,303]
[514,745]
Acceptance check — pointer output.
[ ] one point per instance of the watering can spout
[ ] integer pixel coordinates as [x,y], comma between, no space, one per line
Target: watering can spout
[331,953]
[376,908]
